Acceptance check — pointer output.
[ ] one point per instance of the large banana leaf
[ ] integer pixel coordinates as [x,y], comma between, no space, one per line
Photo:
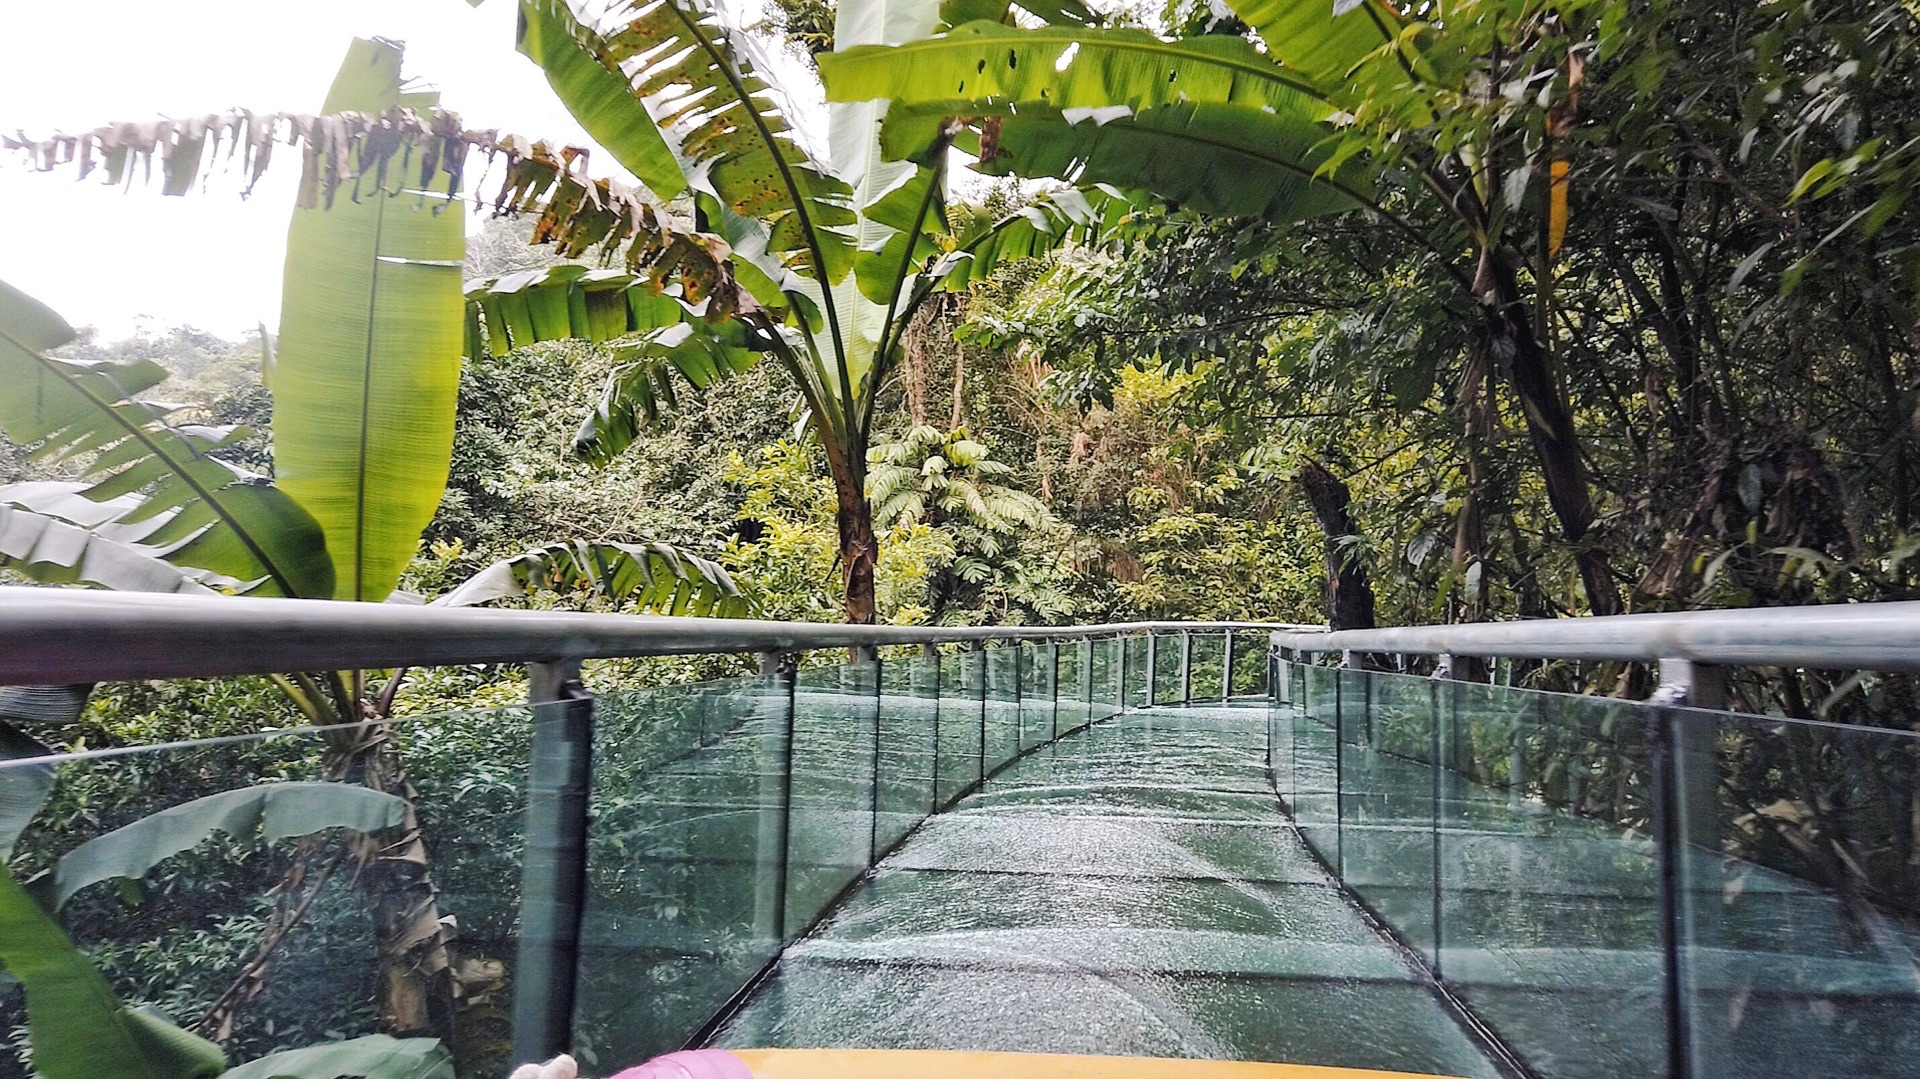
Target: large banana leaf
[1221,159]
[899,221]
[655,576]
[562,302]
[642,386]
[598,96]
[1323,40]
[1051,221]
[75,1025]
[853,126]
[369,359]
[687,74]
[1067,68]
[377,1056]
[53,551]
[1051,12]
[274,810]
[23,787]
[216,517]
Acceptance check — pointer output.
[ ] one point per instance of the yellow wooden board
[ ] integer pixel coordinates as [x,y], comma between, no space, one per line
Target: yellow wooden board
[937,1064]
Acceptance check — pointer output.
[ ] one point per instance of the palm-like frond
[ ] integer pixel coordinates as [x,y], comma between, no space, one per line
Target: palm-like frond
[639,389]
[359,154]
[215,516]
[687,73]
[1070,68]
[658,577]
[50,550]
[948,471]
[561,302]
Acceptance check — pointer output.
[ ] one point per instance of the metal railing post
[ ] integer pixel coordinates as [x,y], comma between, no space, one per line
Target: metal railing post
[1019,699]
[1685,826]
[932,652]
[1226,668]
[774,801]
[873,835]
[1443,700]
[1086,675]
[1153,668]
[1186,667]
[980,651]
[1053,684]
[1339,770]
[1151,701]
[553,880]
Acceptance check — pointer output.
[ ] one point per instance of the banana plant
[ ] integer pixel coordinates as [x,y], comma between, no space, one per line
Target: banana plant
[833,252]
[742,242]
[1420,120]
[78,1028]
[364,384]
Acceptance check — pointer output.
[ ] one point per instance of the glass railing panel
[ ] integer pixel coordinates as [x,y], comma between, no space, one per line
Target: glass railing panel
[1002,719]
[1249,664]
[1549,920]
[1280,750]
[1105,675]
[687,853]
[1166,669]
[1209,666]
[909,716]
[1316,803]
[1800,896]
[830,834]
[251,814]
[1137,674]
[1036,694]
[1070,698]
[1387,838]
[960,723]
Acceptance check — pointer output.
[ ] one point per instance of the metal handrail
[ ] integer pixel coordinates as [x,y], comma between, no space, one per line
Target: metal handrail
[1846,636]
[52,635]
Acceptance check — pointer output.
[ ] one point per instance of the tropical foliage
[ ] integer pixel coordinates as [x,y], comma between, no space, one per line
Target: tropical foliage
[365,379]
[1462,131]
[1348,312]
[826,258]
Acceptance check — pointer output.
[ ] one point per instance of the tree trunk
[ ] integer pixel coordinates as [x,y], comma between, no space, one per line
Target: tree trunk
[859,547]
[1469,551]
[1549,424]
[1349,596]
[913,370]
[959,386]
[415,961]
[418,988]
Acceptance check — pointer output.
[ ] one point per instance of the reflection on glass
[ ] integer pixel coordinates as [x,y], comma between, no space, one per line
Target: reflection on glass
[1800,933]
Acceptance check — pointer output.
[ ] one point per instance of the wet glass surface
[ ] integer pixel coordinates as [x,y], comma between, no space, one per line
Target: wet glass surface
[1132,889]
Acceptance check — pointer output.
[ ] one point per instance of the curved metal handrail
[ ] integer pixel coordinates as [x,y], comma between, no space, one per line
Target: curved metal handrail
[54,635]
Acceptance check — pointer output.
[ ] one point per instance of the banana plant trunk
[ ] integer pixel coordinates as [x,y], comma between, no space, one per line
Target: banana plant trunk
[416,967]
[859,547]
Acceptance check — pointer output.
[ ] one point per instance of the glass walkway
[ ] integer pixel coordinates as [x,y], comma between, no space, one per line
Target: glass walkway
[1015,848]
[1132,889]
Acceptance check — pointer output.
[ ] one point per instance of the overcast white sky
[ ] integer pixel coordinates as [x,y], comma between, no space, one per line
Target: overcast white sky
[121,261]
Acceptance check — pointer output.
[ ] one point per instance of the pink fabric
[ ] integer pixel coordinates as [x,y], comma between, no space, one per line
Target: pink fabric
[696,1064]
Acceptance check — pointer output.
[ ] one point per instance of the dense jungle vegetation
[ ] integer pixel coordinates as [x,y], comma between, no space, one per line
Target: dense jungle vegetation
[1506,309]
